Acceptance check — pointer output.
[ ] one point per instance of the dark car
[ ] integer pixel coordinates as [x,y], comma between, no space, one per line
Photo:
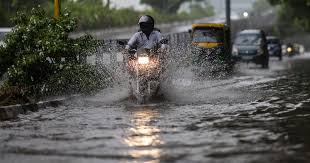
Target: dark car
[274,47]
[251,46]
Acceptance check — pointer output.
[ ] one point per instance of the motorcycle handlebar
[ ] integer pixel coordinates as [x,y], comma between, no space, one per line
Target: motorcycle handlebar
[132,51]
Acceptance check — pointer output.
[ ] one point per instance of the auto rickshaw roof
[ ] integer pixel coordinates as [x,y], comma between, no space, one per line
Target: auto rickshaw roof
[209,25]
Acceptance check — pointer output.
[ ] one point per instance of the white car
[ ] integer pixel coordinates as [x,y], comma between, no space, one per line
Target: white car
[3,32]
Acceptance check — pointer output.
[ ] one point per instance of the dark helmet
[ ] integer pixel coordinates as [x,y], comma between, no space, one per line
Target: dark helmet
[146,23]
[147,19]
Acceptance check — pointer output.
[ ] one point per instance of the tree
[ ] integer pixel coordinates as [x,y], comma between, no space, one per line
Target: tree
[261,6]
[35,48]
[171,6]
[297,10]
[201,9]
[108,3]
[8,8]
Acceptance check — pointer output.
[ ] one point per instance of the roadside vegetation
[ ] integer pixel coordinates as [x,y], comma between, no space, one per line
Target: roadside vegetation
[39,59]
[292,19]
[293,16]
[95,14]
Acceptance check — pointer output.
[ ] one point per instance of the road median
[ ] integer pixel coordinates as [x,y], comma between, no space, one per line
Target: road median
[12,111]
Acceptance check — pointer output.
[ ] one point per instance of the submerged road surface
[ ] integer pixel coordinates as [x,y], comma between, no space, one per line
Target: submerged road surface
[255,115]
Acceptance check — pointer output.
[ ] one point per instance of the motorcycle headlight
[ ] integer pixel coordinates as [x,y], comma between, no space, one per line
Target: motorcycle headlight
[143,60]
[289,49]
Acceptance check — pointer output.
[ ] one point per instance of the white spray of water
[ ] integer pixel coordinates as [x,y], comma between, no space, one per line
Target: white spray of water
[181,85]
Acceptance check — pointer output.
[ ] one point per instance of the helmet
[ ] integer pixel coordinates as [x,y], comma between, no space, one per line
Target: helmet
[146,19]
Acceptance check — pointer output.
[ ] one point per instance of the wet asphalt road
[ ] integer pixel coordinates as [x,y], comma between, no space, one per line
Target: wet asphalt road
[255,115]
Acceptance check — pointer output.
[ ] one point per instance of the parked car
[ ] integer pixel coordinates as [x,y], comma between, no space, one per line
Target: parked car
[3,32]
[251,46]
[274,47]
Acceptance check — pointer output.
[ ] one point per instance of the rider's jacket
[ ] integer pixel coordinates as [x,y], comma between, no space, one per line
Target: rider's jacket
[139,39]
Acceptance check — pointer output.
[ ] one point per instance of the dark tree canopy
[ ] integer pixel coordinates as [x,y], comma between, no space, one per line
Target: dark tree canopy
[167,6]
[8,8]
[298,10]
[14,5]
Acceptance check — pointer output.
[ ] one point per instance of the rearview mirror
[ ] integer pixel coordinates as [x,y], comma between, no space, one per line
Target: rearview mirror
[190,31]
[122,42]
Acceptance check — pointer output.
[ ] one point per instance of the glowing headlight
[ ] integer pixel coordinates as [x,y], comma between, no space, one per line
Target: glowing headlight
[289,49]
[143,60]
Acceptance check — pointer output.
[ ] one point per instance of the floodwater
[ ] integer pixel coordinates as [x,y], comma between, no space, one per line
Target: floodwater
[254,115]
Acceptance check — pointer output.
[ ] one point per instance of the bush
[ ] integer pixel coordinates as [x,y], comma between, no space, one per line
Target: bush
[37,44]
[16,95]
[77,78]
[94,15]
[41,59]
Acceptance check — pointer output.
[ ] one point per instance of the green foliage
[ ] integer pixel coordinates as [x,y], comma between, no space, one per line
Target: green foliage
[294,12]
[201,10]
[171,6]
[8,8]
[37,44]
[93,14]
[160,18]
[261,6]
[4,17]
[41,59]
[198,10]
[15,95]
[29,70]
[77,78]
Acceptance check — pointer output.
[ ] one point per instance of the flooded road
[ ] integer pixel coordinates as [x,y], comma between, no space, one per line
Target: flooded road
[255,115]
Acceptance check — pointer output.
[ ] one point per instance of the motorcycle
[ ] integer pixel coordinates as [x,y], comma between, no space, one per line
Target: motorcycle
[145,66]
[290,50]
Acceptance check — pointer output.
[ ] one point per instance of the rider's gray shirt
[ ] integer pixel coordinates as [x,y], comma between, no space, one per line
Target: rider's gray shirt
[139,40]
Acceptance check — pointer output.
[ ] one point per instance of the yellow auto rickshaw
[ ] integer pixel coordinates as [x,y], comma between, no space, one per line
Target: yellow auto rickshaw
[211,45]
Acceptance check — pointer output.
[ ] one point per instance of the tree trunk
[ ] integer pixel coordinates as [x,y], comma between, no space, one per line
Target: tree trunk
[108,4]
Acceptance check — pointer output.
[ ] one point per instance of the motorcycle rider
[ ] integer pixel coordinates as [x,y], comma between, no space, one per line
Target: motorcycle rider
[147,39]
[146,35]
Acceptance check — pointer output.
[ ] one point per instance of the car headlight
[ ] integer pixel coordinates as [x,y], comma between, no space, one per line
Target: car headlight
[143,60]
[235,51]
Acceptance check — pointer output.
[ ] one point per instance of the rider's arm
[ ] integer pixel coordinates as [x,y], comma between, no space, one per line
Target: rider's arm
[159,37]
[132,43]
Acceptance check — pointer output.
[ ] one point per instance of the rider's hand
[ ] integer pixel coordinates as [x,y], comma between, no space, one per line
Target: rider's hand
[162,49]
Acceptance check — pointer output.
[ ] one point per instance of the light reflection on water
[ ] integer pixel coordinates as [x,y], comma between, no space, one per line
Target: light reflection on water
[255,116]
[143,138]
